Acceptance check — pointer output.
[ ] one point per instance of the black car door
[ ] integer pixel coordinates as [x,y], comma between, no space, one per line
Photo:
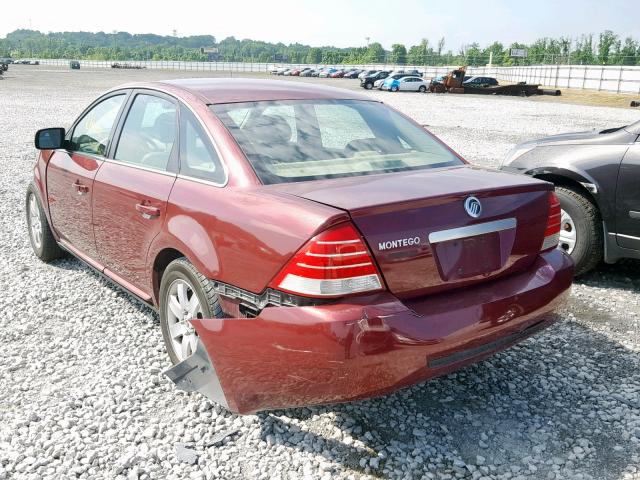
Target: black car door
[628,199]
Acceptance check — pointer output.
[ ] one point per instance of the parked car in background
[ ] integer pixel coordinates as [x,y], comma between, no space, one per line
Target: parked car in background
[480,82]
[308,72]
[316,73]
[394,76]
[280,70]
[366,73]
[597,179]
[405,84]
[337,74]
[327,72]
[356,257]
[369,81]
[352,73]
[74,65]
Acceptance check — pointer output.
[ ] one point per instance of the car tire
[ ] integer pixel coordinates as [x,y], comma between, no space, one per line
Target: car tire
[394,89]
[582,218]
[182,272]
[40,235]
[422,89]
[368,86]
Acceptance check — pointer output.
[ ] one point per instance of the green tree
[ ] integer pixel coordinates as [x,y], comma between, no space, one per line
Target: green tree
[398,53]
[375,54]
[605,44]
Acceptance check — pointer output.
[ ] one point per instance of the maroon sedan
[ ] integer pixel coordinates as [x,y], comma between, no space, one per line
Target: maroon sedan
[302,244]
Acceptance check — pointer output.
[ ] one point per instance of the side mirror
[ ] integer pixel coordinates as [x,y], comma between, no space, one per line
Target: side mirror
[50,138]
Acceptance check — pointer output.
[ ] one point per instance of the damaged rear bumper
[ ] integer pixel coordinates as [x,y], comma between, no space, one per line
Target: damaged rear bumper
[368,345]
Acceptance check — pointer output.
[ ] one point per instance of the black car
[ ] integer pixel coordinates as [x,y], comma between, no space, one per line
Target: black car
[368,81]
[480,82]
[74,65]
[597,178]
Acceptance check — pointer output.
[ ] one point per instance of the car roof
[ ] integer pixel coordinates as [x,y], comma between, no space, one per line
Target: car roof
[234,90]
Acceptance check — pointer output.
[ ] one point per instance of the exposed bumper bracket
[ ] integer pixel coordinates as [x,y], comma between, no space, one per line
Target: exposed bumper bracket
[196,374]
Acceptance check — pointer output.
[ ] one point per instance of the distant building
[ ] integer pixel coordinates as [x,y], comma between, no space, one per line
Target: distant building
[212,53]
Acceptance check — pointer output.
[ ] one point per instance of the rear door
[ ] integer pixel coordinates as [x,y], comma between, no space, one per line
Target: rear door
[132,187]
[628,199]
[71,173]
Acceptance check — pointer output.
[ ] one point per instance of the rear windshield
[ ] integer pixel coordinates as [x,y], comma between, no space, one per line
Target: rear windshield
[298,140]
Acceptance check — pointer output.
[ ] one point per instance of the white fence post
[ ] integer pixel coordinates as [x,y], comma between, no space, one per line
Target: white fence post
[619,79]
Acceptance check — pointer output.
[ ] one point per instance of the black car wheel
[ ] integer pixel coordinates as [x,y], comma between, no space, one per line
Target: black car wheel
[368,86]
[580,229]
[422,89]
[394,89]
[184,294]
[42,241]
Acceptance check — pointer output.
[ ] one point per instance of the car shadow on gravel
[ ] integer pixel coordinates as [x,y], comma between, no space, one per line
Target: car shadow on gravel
[624,275]
[72,264]
[560,405]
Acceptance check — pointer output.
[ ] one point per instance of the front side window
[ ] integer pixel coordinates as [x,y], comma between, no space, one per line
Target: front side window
[297,140]
[149,133]
[198,158]
[91,134]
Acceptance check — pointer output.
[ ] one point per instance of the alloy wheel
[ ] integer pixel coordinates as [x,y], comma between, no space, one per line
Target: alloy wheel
[35,224]
[183,304]
[567,233]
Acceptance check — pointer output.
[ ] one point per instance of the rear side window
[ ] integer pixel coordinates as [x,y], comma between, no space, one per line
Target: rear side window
[91,134]
[149,133]
[198,158]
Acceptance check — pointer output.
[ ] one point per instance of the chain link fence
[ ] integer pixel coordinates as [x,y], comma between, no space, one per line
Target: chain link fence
[619,79]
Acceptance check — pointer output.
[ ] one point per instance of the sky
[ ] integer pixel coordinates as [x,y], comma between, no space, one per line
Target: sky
[340,23]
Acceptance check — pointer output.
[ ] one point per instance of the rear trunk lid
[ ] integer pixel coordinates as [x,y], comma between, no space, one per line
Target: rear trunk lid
[420,232]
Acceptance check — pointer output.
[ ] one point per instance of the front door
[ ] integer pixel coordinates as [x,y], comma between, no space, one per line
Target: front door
[132,187]
[628,199]
[71,173]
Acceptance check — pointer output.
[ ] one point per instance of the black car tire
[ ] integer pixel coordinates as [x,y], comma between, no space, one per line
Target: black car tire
[422,89]
[589,247]
[182,269]
[394,89]
[48,250]
[368,86]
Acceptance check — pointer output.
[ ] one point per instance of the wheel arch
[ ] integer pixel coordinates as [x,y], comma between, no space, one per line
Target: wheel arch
[564,181]
[181,237]
[160,263]
[579,181]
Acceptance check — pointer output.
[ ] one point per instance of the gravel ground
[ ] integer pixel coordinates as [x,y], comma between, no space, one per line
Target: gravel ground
[83,393]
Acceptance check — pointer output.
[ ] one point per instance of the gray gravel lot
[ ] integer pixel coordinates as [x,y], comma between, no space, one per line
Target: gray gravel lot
[83,395]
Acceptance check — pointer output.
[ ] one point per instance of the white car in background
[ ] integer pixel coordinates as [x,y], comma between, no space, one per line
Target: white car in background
[405,84]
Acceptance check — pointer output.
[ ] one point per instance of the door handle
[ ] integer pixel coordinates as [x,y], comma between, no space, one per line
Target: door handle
[148,211]
[81,189]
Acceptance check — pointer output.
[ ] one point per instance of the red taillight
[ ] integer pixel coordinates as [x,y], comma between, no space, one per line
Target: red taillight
[335,262]
[552,232]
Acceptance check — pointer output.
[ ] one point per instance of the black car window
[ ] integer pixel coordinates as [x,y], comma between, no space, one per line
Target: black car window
[198,158]
[91,134]
[149,132]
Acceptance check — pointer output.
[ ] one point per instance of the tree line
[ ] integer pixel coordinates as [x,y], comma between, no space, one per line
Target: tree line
[607,48]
